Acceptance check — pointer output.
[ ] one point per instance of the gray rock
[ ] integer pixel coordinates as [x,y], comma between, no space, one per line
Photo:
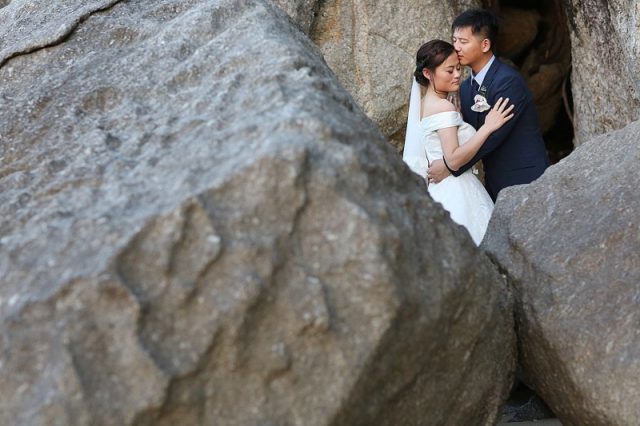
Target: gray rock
[28,25]
[303,12]
[605,45]
[570,245]
[199,226]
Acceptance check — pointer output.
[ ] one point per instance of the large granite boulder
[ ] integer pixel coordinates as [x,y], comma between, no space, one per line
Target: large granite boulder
[199,226]
[570,244]
[371,46]
[605,44]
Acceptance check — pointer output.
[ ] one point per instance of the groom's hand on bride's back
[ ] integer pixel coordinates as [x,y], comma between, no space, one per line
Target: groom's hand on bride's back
[437,172]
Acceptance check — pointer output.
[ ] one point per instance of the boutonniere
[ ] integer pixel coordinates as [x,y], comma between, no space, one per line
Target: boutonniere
[480,104]
[480,101]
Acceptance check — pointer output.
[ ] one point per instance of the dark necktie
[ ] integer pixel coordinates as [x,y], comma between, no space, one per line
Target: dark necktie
[474,85]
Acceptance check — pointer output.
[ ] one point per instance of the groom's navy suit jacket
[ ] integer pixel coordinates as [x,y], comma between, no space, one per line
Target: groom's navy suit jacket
[515,153]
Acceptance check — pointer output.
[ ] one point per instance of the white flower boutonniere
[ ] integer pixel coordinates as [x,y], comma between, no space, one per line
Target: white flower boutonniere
[480,104]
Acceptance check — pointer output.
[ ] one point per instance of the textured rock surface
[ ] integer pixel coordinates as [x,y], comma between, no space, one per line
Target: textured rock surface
[518,29]
[303,12]
[198,226]
[546,87]
[570,243]
[371,46]
[28,25]
[605,43]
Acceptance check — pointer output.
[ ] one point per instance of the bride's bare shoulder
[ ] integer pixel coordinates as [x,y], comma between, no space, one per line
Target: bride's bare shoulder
[435,107]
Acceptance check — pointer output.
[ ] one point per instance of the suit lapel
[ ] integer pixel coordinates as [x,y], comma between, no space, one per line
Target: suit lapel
[486,83]
[488,78]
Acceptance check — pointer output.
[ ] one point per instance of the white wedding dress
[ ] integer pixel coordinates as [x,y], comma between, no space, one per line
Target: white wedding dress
[463,197]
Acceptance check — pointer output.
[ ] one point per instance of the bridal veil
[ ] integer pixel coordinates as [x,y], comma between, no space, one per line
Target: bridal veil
[414,154]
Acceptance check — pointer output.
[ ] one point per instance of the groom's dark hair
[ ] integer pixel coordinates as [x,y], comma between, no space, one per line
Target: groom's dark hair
[481,22]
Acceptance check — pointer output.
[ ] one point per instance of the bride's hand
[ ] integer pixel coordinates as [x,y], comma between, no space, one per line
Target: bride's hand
[499,115]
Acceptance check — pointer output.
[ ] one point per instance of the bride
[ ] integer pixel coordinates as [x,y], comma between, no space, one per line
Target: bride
[436,129]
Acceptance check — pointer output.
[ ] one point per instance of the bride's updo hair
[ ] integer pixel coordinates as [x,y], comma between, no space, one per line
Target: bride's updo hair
[430,56]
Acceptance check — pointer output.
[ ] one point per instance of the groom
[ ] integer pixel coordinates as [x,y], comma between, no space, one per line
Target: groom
[515,154]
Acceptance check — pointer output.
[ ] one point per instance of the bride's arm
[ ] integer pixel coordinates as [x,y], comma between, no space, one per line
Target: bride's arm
[457,155]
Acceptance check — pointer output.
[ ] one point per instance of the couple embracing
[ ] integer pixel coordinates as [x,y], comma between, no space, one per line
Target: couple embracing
[497,123]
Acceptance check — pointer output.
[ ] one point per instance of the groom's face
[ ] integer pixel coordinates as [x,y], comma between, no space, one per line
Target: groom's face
[469,47]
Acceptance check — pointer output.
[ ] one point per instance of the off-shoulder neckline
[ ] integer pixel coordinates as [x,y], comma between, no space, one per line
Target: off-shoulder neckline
[439,113]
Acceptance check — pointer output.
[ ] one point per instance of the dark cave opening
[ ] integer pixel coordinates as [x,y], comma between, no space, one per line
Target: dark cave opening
[534,38]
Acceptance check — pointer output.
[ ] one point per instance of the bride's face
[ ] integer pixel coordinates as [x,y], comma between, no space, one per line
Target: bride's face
[447,75]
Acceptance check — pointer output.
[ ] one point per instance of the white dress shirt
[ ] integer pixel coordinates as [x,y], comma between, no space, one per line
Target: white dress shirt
[479,78]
